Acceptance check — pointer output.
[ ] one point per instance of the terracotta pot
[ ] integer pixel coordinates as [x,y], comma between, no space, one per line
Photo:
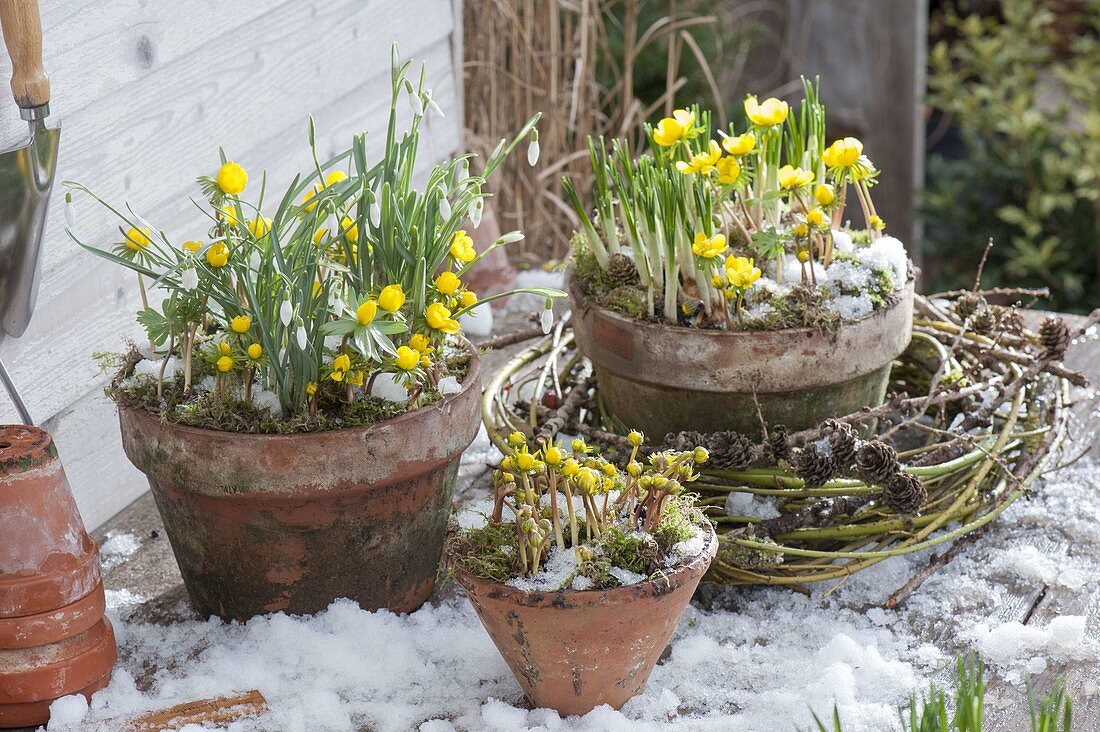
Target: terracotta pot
[575,650]
[662,378]
[54,640]
[267,523]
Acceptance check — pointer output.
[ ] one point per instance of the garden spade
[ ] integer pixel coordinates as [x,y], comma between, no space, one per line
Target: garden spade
[26,178]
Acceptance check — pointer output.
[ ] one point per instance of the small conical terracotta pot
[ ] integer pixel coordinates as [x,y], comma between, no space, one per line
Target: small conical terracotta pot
[575,650]
[54,640]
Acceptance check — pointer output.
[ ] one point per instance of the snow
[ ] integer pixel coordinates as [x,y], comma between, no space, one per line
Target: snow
[151,368]
[626,577]
[390,388]
[117,548]
[887,253]
[758,658]
[68,710]
[477,322]
[748,504]
[449,385]
[851,307]
[561,565]
[842,241]
[266,399]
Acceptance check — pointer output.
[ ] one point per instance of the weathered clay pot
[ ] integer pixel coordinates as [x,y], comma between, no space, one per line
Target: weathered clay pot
[662,378]
[267,523]
[573,651]
[54,640]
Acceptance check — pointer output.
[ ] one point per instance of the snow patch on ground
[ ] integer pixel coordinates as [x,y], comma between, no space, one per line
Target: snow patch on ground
[116,548]
[760,658]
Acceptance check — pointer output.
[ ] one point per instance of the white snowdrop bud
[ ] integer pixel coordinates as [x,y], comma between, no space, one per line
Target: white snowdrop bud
[511,237]
[477,208]
[444,204]
[254,260]
[416,103]
[462,172]
[375,213]
[333,224]
[286,312]
[189,280]
[300,334]
[70,211]
[533,149]
[546,319]
[435,107]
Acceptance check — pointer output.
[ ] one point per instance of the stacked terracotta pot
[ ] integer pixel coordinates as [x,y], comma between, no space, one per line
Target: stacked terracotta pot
[54,638]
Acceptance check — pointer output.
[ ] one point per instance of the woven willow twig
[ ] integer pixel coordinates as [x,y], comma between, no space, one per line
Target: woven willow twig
[841,527]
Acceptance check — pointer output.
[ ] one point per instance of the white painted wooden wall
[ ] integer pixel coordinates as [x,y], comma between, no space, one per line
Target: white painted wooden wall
[146,93]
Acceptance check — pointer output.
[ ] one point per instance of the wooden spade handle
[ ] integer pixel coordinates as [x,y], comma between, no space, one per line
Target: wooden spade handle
[23,36]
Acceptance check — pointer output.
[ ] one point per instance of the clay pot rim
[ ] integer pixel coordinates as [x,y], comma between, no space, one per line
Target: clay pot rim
[473,377]
[623,593]
[801,332]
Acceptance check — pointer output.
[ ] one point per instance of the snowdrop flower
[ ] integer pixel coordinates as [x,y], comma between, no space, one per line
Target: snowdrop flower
[286,312]
[416,103]
[533,149]
[462,172]
[375,213]
[300,334]
[254,260]
[189,280]
[477,208]
[333,224]
[70,211]
[546,319]
[444,204]
[511,237]
[433,106]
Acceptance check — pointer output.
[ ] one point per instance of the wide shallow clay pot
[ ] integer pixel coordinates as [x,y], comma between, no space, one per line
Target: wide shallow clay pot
[54,639]
[662,378]
[575,650]
[268,523]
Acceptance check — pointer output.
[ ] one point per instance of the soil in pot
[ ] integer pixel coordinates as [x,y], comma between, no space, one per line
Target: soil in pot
[573,650]
[290,522]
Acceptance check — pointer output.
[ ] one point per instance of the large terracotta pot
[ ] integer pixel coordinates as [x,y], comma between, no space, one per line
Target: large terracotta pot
[267,523]
[575,650]
[54,639]
[662,378]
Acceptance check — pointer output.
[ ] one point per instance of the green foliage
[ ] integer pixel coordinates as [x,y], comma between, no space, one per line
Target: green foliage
[1052,713]
[1023,88]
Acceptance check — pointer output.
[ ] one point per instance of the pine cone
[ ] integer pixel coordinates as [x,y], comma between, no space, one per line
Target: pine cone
[622,270]
[876,462]
[730,450]
[1010,319]
[969,303]
[685,441]
[1054,337]
[905,493]
[778,446]
[843,441]
[814,467]
[984,321]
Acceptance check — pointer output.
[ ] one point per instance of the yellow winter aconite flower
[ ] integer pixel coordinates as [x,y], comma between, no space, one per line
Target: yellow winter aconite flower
[407,358]
[342,362]
[350,229]
[439,318]
[703,162]
[771,111]
[311,388]
[259,227]
[671,130]
[356,379]
[334,177]
[365,313]
[224,364]
[255,351]
[525,461]
[231,178]
[635,438]
[240,324]
[425,362]
[877,223]
[468,299]
[191,246]
[814,217]
[741,272]
[228,212]
[309,197]
[420,343]
[447,282]
[462,247]
[740,145]
[552,455]
[708,248]
[842,153]
[319,235]
[824,194]
[729,170]
[224,348]
[391,298]
[217,255]
[138,239]
[791,177]
[800,230]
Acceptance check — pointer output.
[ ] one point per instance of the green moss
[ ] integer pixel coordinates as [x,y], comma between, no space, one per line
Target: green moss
[634,551]
[486,552]
[802,307]
[678,521]
[628,300]
[587,272]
